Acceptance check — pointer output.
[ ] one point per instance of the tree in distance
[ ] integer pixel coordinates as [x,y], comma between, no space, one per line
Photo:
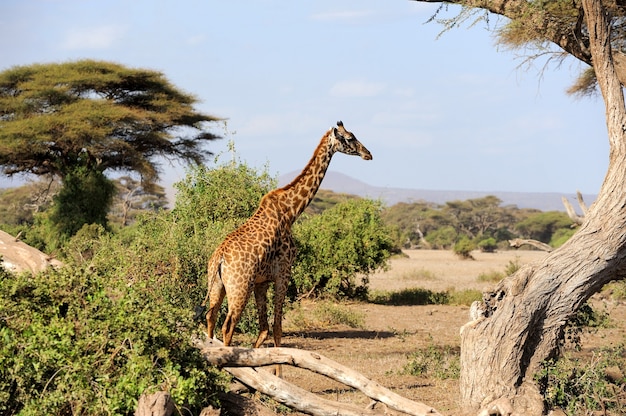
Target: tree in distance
[78,120]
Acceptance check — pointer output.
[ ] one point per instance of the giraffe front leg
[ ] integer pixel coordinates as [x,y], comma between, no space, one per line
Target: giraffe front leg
[280,289]
[260,297]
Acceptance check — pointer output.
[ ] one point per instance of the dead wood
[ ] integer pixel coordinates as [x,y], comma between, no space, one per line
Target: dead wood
[239,362]
[17,256]
[571,212]
[155,404]
[518,242]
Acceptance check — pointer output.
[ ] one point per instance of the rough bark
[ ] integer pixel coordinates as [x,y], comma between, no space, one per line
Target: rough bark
[524,317]
[234,360]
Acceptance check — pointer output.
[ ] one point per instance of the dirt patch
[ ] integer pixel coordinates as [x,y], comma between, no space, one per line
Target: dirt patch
[382,348]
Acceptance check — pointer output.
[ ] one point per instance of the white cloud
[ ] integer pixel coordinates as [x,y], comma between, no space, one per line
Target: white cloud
[357,88]
[100,37]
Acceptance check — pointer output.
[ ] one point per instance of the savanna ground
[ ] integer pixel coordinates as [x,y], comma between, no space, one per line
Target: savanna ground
[386,336]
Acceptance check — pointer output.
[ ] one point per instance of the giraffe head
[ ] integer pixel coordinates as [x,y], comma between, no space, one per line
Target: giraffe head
[345,142]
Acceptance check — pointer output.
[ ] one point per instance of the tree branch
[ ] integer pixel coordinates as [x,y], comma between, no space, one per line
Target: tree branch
[233,359]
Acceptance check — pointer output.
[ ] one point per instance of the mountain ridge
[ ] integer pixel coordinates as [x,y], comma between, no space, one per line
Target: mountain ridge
[342,183]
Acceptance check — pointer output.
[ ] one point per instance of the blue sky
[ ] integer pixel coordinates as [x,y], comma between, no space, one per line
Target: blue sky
[449,112]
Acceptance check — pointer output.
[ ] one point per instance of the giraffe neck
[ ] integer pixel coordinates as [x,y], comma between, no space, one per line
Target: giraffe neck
[299,193]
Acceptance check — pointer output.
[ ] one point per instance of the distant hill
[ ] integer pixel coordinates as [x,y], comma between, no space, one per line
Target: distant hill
[338,182]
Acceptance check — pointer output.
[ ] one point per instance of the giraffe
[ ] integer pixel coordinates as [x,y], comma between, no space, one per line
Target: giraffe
[262,250]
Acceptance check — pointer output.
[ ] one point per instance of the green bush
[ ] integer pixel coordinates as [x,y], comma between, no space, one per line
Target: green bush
[76,342]
[464,247]
[410,296]
[440,362]
[592,387]
[174,246]
[487,245]
[337,246]
[442,238]
[560,236]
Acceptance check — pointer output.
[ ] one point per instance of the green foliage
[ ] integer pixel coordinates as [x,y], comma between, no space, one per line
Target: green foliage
[440,362]
[543,225]
[478,217]
[325,199]
[585,318]
[464,247]
[487,245]
[336,246]
[411,296]
[95,114]
[77,342]
[580,387]
[174,246]
[442,238]
[560,236]
[482,220]
[85,198]
[420,296]
[413,221]
[229,192]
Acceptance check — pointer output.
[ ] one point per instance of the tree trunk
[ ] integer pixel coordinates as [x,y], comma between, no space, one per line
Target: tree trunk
[524,317]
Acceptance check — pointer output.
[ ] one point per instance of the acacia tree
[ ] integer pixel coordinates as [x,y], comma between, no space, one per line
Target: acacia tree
[77,120]
[520,323]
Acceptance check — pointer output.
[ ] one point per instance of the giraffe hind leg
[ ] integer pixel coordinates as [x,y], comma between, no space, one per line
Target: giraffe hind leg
[236,305]
[216,297]
[260,297]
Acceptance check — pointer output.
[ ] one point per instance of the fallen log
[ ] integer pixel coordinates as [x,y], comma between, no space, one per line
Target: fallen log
[236,361]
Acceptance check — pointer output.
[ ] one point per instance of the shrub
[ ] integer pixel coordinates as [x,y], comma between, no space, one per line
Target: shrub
[411,296]
[585,388]
[488,245]
[323,314]
[335,247]
[174,246]
[75,342]
[440,362]
[442,238]
[464,247]
[560,236]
